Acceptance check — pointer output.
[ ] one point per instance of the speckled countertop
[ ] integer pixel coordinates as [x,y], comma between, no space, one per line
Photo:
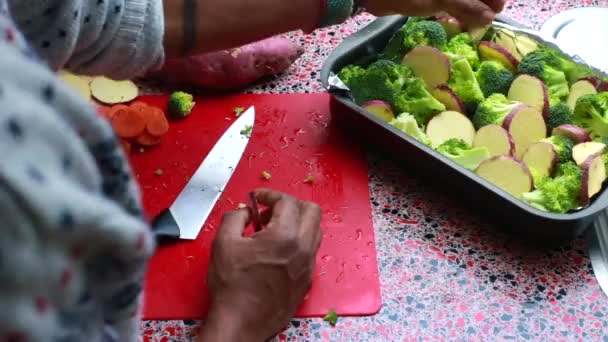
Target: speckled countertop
[446,277]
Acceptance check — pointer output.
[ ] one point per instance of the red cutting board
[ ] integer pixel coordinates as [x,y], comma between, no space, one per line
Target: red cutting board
[293,136]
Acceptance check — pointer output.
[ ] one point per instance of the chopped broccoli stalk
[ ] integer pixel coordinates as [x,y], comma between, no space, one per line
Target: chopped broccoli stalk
[331,317]
[563,147]
[493,110]
[424,33]
[266,175]
[238,111]
[559,114]
[310,179]
[560,194]
[349,72]
[591,114]
[546,65]
[180,104]
[247,131]
[416,100]
[158,172]
[463,154]
[407,124]
[494,78]
[464,83]
[463,46]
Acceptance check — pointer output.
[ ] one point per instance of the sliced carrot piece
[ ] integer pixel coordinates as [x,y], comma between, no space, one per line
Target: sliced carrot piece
[127,123]
[126,145]
[157,125]
[139,106]
[146,139]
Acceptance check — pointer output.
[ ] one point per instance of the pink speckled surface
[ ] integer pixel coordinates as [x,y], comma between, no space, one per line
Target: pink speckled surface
[444,275]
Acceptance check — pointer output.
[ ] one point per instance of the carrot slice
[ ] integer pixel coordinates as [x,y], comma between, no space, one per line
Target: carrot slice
[126,145]
[157,125]
[139,106]
[127,123]
[146,139]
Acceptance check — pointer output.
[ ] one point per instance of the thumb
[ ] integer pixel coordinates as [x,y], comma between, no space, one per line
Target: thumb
[234,223]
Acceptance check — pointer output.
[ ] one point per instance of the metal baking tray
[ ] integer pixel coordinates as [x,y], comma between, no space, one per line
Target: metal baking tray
[507,211]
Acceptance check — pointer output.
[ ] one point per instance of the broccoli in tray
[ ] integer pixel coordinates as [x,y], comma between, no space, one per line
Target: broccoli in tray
[521,115]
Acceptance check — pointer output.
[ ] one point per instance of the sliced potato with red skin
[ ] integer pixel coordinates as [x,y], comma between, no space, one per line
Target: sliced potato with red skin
[490,51]
[603,87]
[581,152]
[496,139]
[450,125]
[430,64]
[507,173]
[380,109]
[576,134]
[594,175]
[542,157]
[451,25]
[508,42]
[531,91]
[593,80]
[578,89]
[109,91]
[526,126]
[444,94]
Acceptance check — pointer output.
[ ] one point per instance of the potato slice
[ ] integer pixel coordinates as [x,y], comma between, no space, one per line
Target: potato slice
[78,83]
[450,125]
[496,139]
[576,134]
[451,25]
[430,64]
[490,51]
[444,94]
[507,173]
[578,89]
[541,156]
[113,92]
[526,126]
[380,109]
[581,152]
[531,91]
[594,175]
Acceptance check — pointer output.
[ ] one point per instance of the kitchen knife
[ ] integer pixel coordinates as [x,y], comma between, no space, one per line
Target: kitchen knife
[186,216]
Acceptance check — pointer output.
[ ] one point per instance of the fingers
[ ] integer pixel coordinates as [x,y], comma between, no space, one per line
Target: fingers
[496,5]
[310,226]
[470,12]
[284,210]
[233,224]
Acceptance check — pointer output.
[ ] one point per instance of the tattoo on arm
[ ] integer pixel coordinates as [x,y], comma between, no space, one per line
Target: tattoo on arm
[190,14]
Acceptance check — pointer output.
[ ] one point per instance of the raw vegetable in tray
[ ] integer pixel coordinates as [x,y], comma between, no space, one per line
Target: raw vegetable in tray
[518,114]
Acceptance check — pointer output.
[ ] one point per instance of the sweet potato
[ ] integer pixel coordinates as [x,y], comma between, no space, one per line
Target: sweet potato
[233,68]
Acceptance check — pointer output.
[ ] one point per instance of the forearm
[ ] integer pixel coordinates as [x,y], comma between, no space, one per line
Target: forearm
[225,326]
[220,24]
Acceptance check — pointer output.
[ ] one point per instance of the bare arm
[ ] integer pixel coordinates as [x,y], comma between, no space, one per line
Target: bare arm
[220,24]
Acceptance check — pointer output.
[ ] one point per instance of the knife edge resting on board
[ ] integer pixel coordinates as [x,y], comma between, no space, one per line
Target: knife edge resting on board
[188,213]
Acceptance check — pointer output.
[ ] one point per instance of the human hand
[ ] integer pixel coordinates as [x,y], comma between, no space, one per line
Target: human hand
[470,13]
[256,283]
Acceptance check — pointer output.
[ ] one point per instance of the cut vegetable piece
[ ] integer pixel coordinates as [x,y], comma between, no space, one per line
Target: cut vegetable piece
[594,175]
[451,25]
[491,51]
[450,125]
[579,89]
[541,156]
[574,133]
[507,41]
[157,124]
[380,109]
[112,92]
[581,152]
[525,44]
[430,64]
[496,139]
[526,126]
[444,94]
[126,146]
[148,140]
[478,33]
[507,173]
[593,80]
[79,84]
[126,122]
[531,91]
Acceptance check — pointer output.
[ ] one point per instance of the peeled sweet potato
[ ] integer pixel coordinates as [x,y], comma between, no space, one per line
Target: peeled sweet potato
[233,68]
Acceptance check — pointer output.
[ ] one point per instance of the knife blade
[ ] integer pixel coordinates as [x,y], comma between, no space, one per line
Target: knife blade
[188,213]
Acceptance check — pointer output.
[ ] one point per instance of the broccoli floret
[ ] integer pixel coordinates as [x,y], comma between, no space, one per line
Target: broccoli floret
[591,113]
[373,85]
[493,110]
[407,123]
[464,83]
[425,32]
[559,114]
[395,50]
[563,147]
[546,65]
[180,104]
[415,99]
[397,73]
[560,194]
[349,72]
[463,154]
[463,46]
[494,78]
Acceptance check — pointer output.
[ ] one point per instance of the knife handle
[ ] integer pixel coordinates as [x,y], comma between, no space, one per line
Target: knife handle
[165,228]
